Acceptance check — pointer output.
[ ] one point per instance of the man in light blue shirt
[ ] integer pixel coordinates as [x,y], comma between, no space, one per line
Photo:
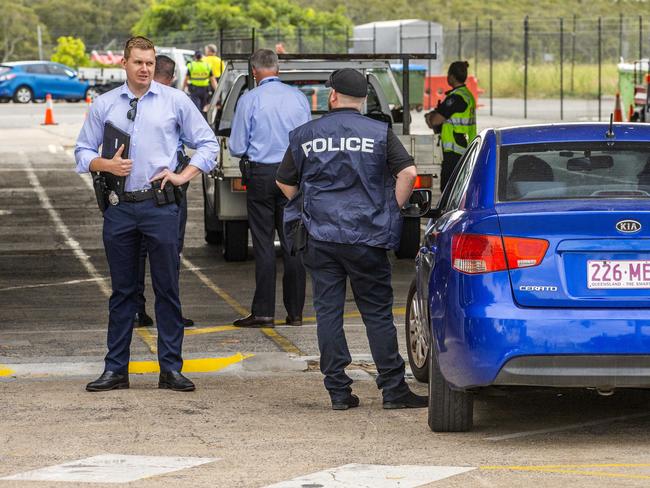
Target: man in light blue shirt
[156,117]
[260,131]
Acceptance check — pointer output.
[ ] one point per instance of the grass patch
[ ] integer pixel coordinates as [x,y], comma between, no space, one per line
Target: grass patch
[544,80]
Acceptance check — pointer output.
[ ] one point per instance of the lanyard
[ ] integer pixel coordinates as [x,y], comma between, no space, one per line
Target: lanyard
[268,80]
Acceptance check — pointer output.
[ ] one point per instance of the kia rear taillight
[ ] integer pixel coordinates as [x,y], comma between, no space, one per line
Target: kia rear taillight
[478,253]
[523,253]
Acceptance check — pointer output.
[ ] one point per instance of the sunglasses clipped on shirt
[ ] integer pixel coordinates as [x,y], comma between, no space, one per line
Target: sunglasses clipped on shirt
[134,109]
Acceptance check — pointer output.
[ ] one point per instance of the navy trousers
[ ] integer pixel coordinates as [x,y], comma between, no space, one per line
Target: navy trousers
[142,267]
[330,264]
[126,226]
[265,204]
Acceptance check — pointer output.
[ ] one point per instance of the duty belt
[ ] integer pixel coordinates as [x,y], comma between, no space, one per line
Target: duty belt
[137,196]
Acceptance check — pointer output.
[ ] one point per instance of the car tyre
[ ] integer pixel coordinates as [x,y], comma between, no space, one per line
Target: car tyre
[418,335]
[211,223]
[23,94]
[449,410]
[409,242]
[235,240]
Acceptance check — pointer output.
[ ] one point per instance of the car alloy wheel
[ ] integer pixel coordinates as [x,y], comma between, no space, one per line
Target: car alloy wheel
[419,340]
[417,336]
[23,95]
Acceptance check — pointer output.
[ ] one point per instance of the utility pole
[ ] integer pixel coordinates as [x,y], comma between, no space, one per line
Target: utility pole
[40,42]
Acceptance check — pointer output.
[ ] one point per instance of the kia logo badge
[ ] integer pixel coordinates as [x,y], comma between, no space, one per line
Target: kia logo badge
[628,226]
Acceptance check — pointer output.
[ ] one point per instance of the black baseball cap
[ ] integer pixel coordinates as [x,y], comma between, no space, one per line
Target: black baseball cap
[348,81]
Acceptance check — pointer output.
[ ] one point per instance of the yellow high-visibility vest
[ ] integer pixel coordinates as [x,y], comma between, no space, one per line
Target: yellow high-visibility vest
[463,123]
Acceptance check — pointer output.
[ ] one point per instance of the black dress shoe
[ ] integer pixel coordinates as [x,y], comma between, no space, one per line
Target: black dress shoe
[297,321]
[174,380]
[141,319]
[408,400]
[109,380]
[187,322]
[254,321]
[350,402]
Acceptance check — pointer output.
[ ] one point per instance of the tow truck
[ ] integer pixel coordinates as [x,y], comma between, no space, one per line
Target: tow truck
[224,195]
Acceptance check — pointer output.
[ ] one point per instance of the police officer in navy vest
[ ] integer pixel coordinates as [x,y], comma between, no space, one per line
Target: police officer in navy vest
[347,177]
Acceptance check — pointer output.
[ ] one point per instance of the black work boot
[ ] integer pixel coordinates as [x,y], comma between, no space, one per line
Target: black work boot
[350,402]
[109,380]
[407,400]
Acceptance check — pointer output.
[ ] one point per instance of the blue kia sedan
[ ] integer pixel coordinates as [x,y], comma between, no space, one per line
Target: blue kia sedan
[26,81]
[535,267]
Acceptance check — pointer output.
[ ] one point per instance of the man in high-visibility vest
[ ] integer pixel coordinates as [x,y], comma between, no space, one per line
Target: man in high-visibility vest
[198,80]
[457,117]
[215,62]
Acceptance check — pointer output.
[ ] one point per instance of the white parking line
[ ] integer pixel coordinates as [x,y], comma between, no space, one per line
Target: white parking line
[46,204]
[44,285]
[111,468]
[528,433]
[373,476]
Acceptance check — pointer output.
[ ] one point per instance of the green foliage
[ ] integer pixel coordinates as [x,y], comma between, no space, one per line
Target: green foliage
[97,22]
[18,25]
[70,51]
[166,16]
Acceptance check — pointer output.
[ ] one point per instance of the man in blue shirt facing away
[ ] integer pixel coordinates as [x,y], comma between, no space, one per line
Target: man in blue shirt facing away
[260,132]
[156,117]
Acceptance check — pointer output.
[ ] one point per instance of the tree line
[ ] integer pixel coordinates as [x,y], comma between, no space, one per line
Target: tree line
[107,23]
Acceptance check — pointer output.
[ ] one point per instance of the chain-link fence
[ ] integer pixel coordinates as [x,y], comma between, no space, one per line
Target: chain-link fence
[517,58]
[549,57]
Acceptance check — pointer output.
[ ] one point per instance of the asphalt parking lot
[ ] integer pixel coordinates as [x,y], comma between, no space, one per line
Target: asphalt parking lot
[260,416]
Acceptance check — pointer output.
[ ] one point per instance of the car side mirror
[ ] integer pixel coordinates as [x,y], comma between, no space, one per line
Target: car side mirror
[419,205]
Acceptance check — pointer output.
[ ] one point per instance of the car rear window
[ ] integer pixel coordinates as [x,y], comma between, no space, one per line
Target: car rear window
[574,171]
[36,69]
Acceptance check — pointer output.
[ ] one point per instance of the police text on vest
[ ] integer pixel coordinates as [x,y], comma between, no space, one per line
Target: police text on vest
[336,145]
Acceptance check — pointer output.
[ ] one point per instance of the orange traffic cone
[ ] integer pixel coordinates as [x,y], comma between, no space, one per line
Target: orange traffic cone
[618,112]
[49,113]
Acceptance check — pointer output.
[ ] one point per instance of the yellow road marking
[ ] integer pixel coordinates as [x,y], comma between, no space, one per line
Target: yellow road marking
[5,371]
[574,469]
[148,338]
[210,284]
[210,330]
[349,315]
[204,365]
[282,342]
[570,466]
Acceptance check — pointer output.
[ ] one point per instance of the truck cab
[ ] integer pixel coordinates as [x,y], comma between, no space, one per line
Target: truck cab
[225,215]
